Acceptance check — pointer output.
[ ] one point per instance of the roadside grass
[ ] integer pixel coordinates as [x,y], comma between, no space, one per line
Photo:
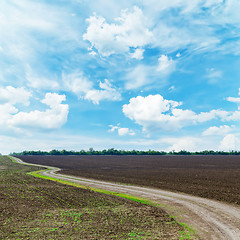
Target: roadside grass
[35,208]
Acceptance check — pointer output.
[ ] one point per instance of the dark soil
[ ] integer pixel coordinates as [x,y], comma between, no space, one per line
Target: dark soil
[214,177]
[33,208]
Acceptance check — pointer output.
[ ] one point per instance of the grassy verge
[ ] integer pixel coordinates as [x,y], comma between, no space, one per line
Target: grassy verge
[35,208]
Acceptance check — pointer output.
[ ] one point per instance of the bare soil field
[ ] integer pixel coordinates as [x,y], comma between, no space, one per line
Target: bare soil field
[33,208]
[214,177]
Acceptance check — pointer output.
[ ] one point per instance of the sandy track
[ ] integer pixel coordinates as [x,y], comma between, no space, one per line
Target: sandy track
[211,219]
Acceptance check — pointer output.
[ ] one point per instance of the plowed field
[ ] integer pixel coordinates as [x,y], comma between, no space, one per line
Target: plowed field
[214,177]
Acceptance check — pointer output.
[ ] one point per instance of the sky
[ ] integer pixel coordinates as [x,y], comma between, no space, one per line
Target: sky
[155,74]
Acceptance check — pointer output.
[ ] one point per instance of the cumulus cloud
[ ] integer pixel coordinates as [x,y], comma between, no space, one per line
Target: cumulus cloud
[77,83]
[107,92]
[230,142]
[138,54]
[165,65]
[185,143]
[13,95]
[235,100]
[155,113]
[235,116]
[121,131]
[10,96]
[6,111]
[130,30]
[213,114]
[83,88]
[222,130]
[52,118]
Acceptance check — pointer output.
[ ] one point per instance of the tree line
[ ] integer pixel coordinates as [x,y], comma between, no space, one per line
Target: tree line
[113,151]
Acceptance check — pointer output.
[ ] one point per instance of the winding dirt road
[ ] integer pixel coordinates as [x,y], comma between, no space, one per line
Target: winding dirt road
[211,219]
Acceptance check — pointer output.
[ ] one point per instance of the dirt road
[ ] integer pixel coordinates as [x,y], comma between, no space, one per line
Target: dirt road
[211,219]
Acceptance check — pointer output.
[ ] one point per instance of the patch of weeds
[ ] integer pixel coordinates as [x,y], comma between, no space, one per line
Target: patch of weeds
[52,229]
[189,233]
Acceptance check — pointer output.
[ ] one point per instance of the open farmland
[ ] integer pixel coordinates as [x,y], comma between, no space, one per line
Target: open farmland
[214,177]
[33,208]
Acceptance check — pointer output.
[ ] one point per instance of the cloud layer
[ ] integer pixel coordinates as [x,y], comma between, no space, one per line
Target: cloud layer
[11,117]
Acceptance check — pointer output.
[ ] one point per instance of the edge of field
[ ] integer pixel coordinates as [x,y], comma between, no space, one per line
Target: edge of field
[189,232]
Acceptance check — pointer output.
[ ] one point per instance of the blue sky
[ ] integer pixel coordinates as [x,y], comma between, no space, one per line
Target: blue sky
[153,74]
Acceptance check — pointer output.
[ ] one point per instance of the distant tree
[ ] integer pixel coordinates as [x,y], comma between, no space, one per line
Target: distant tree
[55,152]
[112,151]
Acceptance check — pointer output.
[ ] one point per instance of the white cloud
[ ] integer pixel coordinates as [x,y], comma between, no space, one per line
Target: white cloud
[93,53]
[83,88]
[235,116]
[165,65]
[121,131]
[235,100]
[37,82]
[52,118]
[130,30]
[222,130]
[124,131]
[230,142]
[145,75]
[113,128]
[137,77]
[172,88]
[185,143]
[138,54]
[10,96]
[77,83]
[213,114]
[13,95]
[155,113]
[107,92]
[6,111]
